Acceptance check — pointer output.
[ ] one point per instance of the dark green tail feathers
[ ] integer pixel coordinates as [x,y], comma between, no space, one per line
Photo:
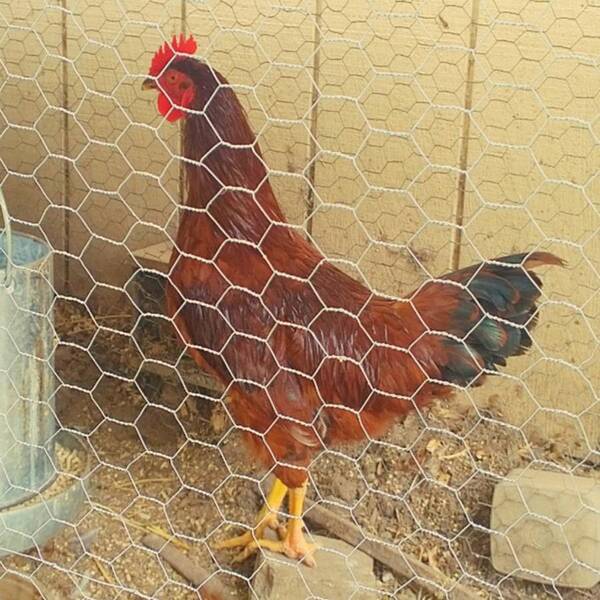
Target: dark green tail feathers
[495,320]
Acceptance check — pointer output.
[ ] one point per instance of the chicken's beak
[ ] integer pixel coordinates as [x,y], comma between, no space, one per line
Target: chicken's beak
[149,84]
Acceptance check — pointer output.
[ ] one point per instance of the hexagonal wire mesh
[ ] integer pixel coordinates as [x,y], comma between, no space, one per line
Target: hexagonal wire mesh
[405,139]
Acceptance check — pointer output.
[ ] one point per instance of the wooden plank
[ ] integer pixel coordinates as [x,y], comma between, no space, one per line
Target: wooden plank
[189,373]
[210,586]
[418,574]
[154,257]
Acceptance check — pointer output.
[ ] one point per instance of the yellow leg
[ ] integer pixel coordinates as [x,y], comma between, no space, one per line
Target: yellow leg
[267,517]
[294,542]
[293,545]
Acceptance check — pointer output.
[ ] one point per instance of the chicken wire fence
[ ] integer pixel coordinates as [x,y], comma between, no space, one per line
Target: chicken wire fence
[406,140]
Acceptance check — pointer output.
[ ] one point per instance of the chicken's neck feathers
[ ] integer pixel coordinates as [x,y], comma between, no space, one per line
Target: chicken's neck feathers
[222,155]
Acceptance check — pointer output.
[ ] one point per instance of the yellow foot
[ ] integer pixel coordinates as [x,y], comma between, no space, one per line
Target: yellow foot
[250,537]
[291,541]
[300,550]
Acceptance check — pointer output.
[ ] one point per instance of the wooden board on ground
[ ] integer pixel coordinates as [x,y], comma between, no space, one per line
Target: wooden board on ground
[154,257]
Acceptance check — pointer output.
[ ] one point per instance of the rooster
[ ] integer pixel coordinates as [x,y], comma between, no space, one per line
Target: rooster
[309,356]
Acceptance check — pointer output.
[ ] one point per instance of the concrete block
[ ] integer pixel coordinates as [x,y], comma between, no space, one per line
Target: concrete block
[342,573]
[546,527]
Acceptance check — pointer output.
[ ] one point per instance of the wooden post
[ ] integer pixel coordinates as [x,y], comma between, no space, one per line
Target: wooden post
[66,183]
[459,208]
[181,190]
[314,114]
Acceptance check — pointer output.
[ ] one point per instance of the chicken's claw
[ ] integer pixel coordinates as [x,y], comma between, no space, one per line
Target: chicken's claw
[291,542]
[300,550]
[251,537]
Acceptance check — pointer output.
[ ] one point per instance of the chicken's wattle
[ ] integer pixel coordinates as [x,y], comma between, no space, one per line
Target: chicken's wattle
[167,109]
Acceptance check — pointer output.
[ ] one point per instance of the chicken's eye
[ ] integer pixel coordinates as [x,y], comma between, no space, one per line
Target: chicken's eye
[171,78]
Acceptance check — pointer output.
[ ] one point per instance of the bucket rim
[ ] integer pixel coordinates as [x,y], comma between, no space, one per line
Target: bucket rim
[27,265]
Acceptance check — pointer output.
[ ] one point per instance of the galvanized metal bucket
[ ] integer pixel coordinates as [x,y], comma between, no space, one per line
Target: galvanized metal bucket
[27,383]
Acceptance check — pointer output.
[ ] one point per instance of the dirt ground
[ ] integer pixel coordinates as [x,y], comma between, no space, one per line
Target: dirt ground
[165,458]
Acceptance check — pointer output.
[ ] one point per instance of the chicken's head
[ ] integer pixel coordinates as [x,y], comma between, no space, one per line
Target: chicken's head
[175,88]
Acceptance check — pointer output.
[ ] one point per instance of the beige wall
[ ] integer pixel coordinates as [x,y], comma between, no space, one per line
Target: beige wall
[392,81]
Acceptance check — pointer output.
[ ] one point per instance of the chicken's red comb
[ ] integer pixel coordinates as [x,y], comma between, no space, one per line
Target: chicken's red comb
[164,55]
